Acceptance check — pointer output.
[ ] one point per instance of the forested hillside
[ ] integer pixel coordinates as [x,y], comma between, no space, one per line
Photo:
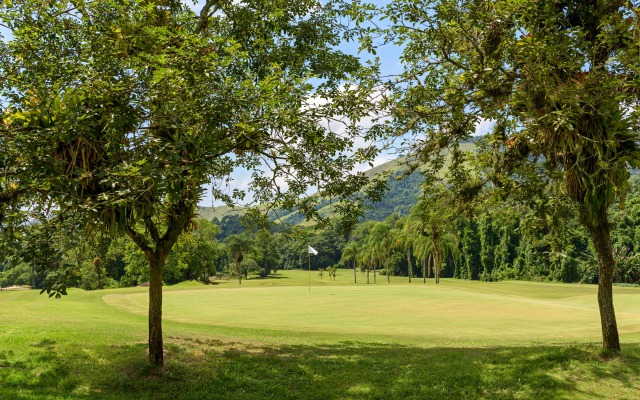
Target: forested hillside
[400,196]
[403,189]
[503,240]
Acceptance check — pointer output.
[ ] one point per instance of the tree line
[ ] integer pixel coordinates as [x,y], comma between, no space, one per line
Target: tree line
[92,260]
[496,242]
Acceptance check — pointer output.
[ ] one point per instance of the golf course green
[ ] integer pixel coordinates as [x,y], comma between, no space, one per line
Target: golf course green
[279,338]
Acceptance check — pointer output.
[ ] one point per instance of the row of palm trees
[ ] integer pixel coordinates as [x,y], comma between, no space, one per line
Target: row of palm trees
[426,234]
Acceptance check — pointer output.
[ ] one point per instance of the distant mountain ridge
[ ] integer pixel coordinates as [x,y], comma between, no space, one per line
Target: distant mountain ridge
[399,197]
[402,193]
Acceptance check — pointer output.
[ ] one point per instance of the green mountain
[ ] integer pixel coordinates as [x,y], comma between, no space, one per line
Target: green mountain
[402,191]
[401,194]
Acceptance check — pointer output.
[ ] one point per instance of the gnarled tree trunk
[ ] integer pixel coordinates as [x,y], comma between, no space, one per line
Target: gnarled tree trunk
[601,237]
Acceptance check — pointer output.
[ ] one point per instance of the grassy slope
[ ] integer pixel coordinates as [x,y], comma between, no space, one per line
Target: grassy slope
[209,213]
[272,339]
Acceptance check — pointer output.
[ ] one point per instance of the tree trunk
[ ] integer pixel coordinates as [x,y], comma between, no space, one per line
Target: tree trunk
[368,268]
[374,273]
[156,250]
[409,264]
[387,269]
[424,270]
[437,253]
[437,262]
[601,237]
[429,261]
[156,261]
[355,275]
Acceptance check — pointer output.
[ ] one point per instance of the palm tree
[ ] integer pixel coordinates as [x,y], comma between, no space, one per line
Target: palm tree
[381,240]
[449,246]
[375,261]
[435,224]
[364,259]
[405,238]
[238,246]
[422,251]
[349,253]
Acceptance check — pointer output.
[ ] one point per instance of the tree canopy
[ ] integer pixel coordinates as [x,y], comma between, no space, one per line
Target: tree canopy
[120,111]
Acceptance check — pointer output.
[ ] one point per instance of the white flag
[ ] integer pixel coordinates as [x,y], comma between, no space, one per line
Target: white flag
[312,251]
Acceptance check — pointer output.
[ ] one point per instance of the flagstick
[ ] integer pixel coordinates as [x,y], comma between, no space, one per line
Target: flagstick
[309,255]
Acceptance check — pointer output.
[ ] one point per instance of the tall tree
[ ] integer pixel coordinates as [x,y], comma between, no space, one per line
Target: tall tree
[404,238]
[471,248]
[349,254]
[239,246]
[266,252]
[422,251]
[434,215]
[123,110]
[559,82]
[381,240]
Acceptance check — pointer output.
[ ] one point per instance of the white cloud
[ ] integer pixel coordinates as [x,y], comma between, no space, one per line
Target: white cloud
[484,126]
[379,160]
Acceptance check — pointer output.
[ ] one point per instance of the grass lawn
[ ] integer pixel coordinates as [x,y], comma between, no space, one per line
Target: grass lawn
[272,339]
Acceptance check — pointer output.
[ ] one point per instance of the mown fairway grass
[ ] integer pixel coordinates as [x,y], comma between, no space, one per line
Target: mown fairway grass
[271,338]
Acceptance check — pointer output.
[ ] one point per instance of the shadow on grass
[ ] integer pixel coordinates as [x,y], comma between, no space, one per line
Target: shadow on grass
[269,277]
[198,369]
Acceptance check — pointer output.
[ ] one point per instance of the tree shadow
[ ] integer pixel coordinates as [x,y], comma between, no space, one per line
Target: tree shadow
[274,276]
[271,277]
[203,369]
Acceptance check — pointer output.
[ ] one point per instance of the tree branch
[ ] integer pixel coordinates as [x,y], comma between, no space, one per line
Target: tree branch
[138,239]
[151,227]
[205,13]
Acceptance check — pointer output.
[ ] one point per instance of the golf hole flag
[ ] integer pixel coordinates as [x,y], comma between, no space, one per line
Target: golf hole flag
[312,251]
